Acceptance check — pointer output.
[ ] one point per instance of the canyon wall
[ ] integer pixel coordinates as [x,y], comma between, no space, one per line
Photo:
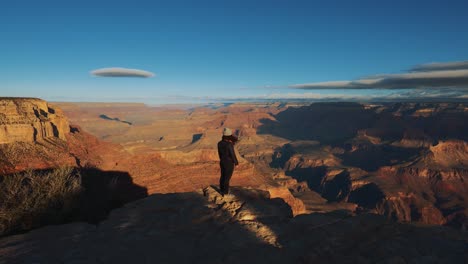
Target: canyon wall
[30,120]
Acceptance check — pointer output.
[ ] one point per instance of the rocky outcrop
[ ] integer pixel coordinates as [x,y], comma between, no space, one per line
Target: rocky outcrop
[451,153]
[297,205]
[30,120]
[424,195]
[409,207]
[248,227]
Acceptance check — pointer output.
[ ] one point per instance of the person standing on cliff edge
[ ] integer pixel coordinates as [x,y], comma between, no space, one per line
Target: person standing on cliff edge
[227,159]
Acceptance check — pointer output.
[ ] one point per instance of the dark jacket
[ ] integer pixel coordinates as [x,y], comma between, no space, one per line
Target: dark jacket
[226,152]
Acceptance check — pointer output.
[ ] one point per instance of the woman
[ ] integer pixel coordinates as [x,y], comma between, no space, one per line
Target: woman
[227,159]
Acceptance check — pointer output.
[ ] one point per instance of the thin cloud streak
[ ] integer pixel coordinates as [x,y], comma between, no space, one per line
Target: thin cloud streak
[440,66]
[121,72]
[426,76]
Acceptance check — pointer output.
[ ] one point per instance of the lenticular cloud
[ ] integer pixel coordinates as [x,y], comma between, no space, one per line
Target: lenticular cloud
[122,72]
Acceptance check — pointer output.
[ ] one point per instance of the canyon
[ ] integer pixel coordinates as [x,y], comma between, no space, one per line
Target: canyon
[386,170]
[407,161]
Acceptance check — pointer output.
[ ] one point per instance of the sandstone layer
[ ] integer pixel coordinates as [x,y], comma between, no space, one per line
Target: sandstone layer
[30,120]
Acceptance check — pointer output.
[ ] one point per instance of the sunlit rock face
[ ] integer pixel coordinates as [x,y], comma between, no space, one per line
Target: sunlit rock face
[30,120]
[35,134]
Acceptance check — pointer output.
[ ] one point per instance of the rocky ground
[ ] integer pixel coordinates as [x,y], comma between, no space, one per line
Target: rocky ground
[249,227]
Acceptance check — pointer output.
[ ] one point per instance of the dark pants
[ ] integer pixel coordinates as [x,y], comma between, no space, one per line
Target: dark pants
[227,168]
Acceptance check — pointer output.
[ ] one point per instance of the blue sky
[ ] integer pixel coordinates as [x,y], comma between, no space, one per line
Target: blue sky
[219,49]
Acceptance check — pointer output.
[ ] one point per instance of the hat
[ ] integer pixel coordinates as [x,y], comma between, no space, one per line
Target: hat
[227,132]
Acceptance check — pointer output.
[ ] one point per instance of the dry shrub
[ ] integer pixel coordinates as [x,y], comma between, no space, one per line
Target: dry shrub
[35,198]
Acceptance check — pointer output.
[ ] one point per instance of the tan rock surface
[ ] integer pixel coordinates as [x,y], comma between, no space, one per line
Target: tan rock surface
[30,120]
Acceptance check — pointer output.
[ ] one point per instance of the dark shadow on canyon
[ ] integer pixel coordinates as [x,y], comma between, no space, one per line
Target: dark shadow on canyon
[196,137]
[335,123]
[367,196]
[105,117]
[328,123]
[314,176]
[372,157]
[338,188]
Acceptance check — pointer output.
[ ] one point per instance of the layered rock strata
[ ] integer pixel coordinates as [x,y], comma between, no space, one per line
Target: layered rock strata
[30,120]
